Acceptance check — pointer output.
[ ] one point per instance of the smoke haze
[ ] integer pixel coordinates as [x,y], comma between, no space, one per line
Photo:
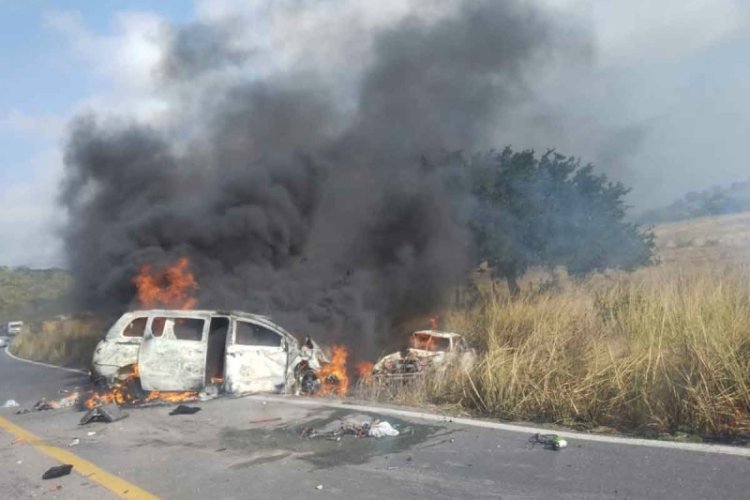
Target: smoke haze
[297,184]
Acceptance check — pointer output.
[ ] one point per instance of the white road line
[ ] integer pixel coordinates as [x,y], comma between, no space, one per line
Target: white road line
[7,351]
[432,417]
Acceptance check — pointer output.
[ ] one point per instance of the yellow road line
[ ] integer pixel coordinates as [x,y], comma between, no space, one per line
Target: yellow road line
[116,484]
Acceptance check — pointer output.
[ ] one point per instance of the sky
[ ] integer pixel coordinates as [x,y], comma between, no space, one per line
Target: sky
[662,105]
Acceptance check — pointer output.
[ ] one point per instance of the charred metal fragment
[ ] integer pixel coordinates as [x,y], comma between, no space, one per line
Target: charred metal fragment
[107,413]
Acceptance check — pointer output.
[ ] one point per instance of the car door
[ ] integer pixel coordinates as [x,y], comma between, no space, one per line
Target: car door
[256,358]
[172,356]
[120,347]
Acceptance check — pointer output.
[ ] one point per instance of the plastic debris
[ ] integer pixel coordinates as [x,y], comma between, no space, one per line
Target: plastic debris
[107,413]
[185,410]
[11,403]
[75,442]
[319,487]
[357,426]
[549,441]
[382,429]
[57,471]
[91,433]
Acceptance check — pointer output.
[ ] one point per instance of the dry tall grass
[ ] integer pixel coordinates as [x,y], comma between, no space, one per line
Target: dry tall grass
[666,349]
[660,350]
[68,342]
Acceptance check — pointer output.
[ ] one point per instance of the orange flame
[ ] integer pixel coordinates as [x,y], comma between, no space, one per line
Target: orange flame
[333,377]
[173,287]
[364,370]
[423,342]
[122,392]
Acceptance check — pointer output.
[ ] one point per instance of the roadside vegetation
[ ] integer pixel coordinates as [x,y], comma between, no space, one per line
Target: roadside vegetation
[661,350]
[41,298]
[28,294]
[65,342]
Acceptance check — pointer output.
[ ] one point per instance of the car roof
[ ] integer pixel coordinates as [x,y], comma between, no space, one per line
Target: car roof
[436,333]
[187,312]
[257,318]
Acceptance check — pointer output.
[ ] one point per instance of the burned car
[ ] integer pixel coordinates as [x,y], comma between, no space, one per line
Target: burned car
[427,348]
[189,350]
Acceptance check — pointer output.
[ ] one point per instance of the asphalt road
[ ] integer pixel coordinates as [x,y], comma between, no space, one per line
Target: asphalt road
[253,448]
[26,383]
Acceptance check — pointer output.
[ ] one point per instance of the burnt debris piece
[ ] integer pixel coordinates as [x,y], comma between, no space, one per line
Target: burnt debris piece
[548,441]
[71,398]
[358,426]
[106,413]
[185,410]
[57,471]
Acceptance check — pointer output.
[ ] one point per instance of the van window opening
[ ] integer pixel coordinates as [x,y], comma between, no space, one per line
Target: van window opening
[135,328]
[252,334]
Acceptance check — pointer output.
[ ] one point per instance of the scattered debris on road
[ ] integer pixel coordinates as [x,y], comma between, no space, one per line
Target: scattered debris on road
[357,426]
[319,487]
[548,441]
[265,420]
[185,410]
[11,403]
[105,413]
[91,433]
[75,442]
[382,429]
[57,471]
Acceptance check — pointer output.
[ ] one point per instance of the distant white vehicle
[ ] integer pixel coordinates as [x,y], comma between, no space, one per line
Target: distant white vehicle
[3,342]
[15,327]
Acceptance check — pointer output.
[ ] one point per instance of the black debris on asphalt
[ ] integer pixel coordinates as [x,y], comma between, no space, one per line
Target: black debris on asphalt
[107,413]
[185,410]
[57,471]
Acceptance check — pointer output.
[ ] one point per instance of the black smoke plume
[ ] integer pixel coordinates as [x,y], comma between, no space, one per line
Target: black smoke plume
[322,211]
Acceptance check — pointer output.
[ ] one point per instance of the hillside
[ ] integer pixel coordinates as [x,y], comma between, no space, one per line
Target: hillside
[714,201]
[721,238]
[30,294]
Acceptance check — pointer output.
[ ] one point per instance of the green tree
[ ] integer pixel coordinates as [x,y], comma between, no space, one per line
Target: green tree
[550,211]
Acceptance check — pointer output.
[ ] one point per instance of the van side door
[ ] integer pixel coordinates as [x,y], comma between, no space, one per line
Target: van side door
[172,356]
[256,358]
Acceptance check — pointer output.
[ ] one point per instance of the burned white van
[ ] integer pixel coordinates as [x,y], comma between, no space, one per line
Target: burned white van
[188,350]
